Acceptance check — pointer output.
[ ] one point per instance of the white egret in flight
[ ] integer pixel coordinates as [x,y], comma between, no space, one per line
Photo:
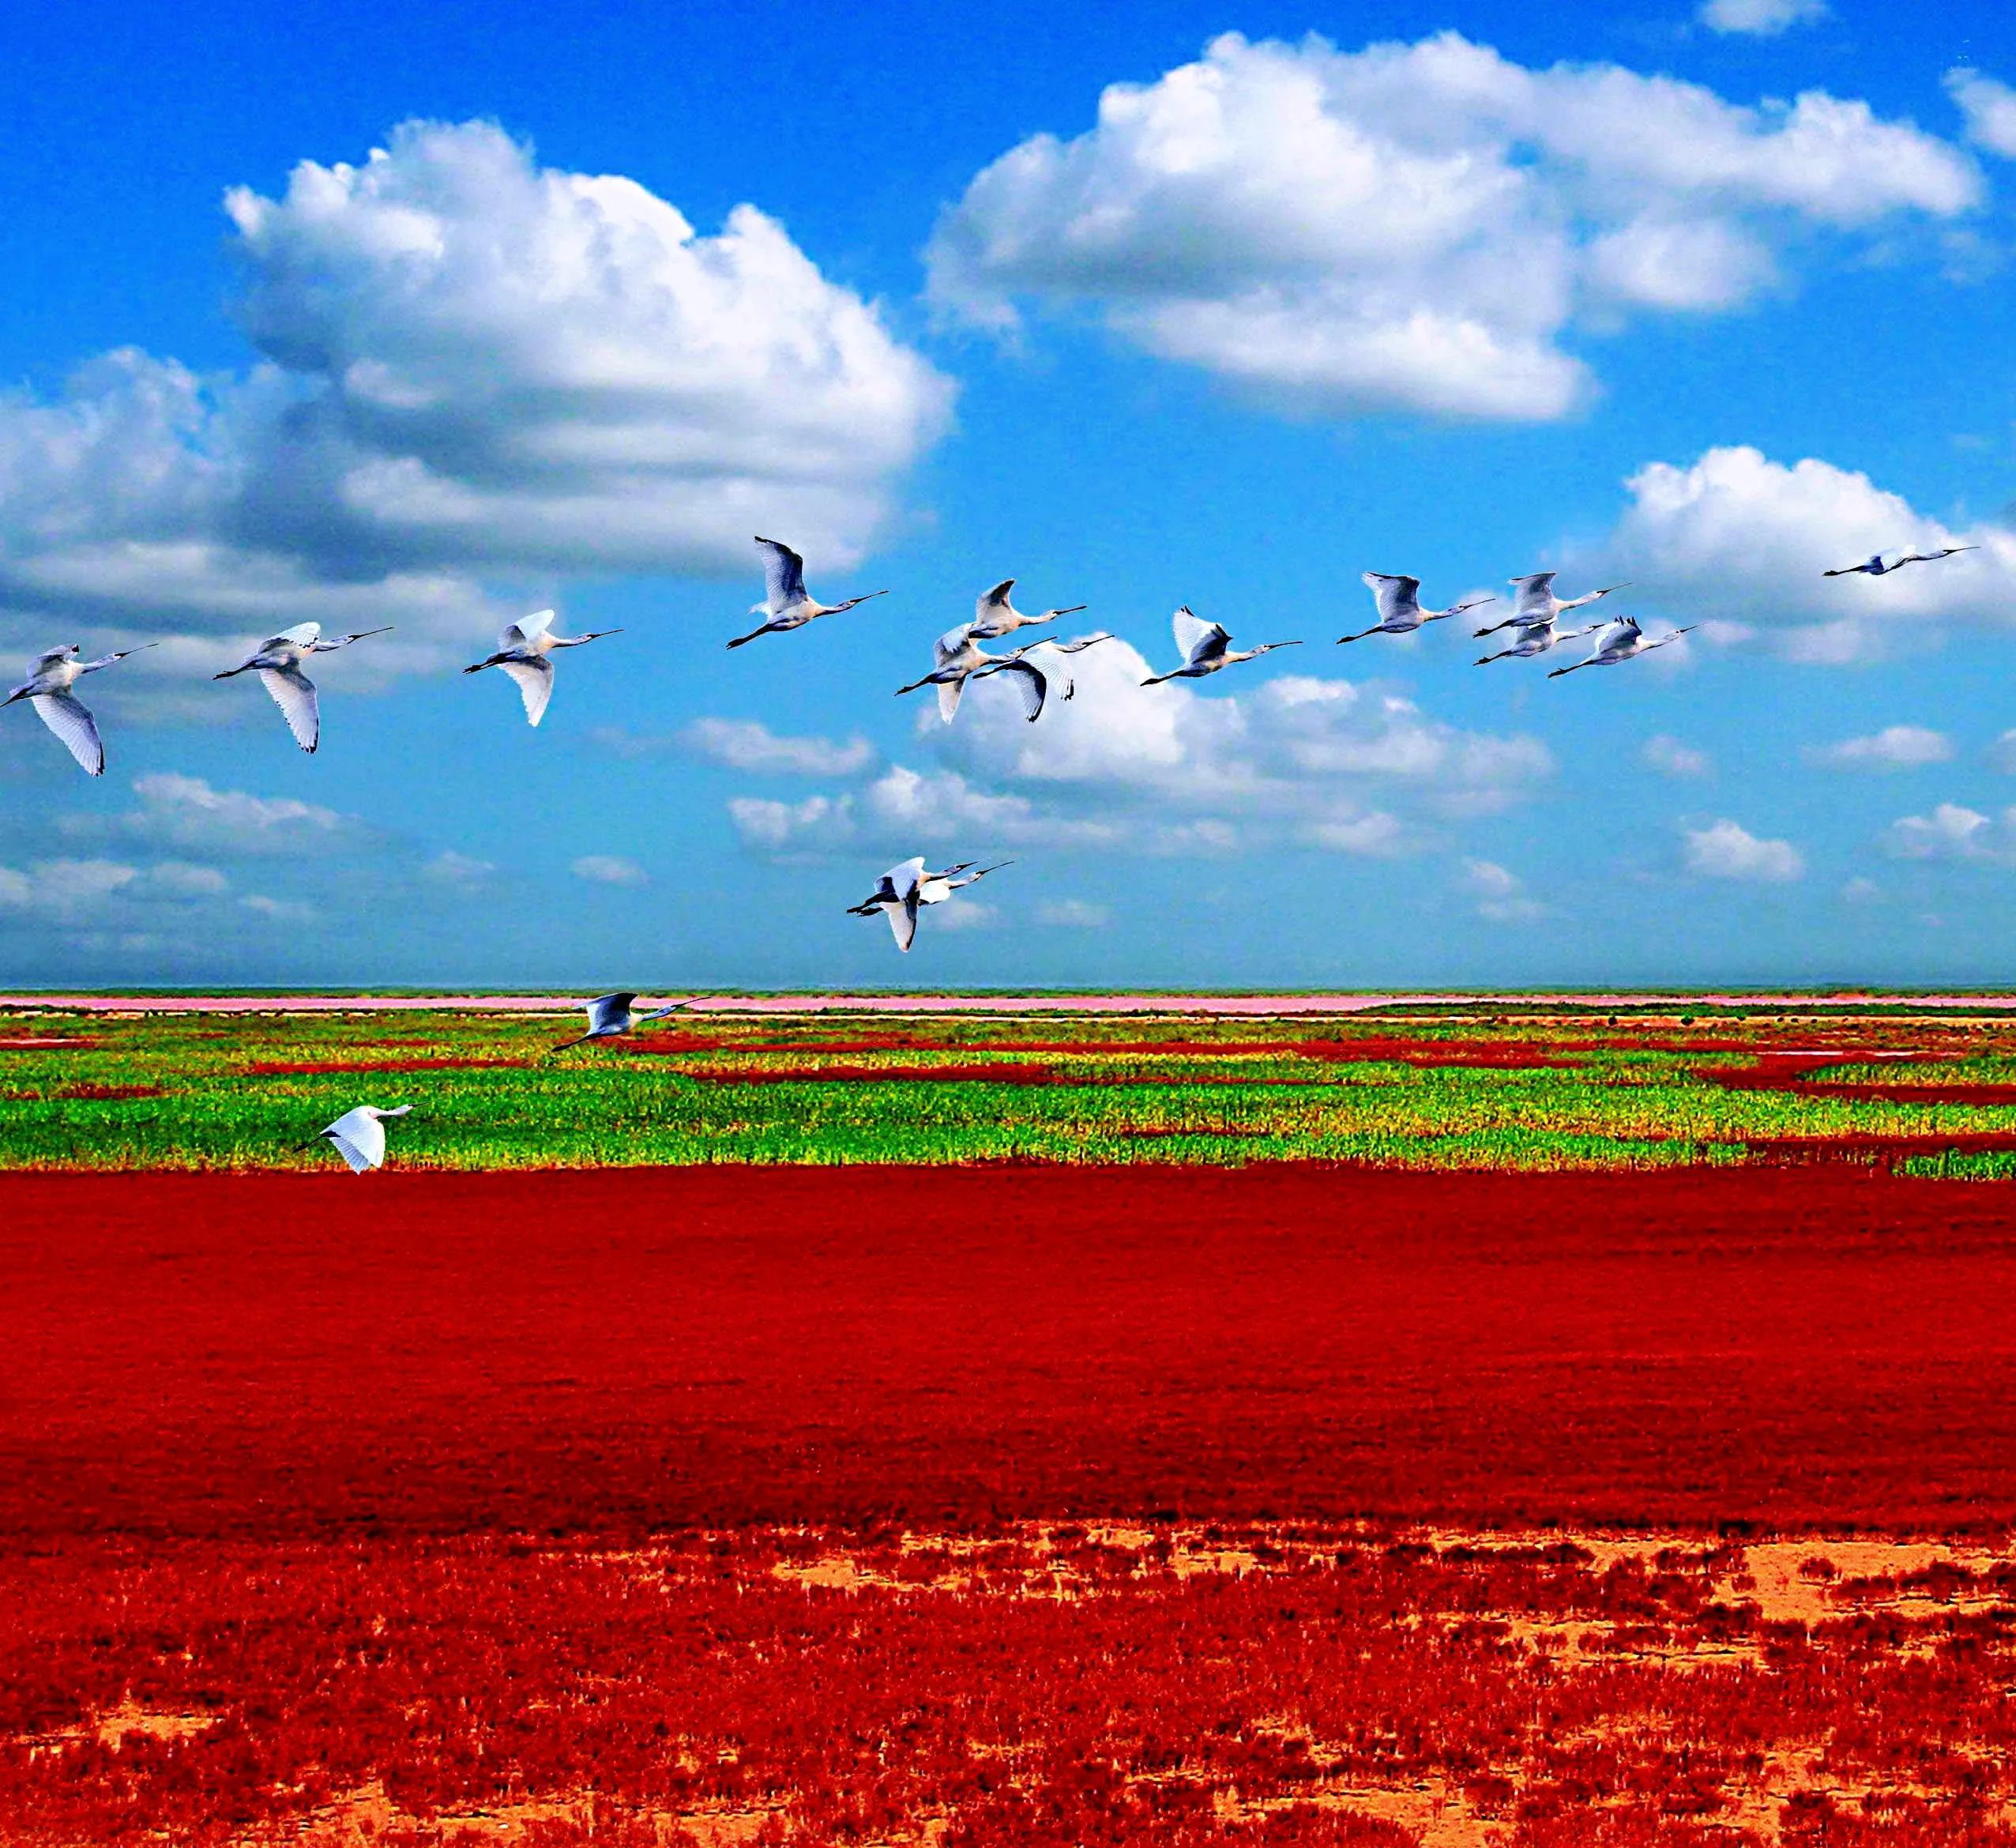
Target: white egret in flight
[894,893]
[277,662]
[1535,602]
[1621,642]
[1536,638]
[611,1015]
[960,659]
[47,689]
[788,605]
[358,1135]
[1206,648]
[1881,564]
[1399,600]
[523,651]
[994,616]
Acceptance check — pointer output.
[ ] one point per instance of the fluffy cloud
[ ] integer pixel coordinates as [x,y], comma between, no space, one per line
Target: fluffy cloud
[609,869]
[1739,541]
[1501,896]
[461,871]
[1724,850]
[1760,18]
[1671,758]
[747,744]
[1294,760]
[1072,914]
[1951,832]
[187,812]
[1896,747]
[69,891]
[1989,108]
[470,366]
[1332,231]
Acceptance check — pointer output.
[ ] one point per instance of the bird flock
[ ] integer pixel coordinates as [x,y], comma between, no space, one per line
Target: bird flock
[525,650]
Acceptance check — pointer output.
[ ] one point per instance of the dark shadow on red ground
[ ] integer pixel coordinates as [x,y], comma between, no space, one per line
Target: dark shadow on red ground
[289,1354]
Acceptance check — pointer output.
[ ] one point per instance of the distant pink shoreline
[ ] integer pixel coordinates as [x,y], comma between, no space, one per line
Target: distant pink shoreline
[1230,1005]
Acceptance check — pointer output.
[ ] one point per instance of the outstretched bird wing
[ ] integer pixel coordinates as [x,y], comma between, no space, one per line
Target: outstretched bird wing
[1396,597]
[784,576]
[609,1014]
[64,715]
[525,631]
[1196,639]
[994,602]
[301,635]
[1536,595]
[534,680]
[951,645]
[359,1139]
[1030,683]
[293,693]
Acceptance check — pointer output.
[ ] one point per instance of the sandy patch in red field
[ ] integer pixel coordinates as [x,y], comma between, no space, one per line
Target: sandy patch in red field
[278,1353]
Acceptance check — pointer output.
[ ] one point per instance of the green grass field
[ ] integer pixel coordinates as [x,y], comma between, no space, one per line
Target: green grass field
[1542,1090]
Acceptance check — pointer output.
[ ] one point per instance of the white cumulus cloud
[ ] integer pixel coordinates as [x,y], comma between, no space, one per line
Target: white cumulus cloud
[1760,18]
[1953,832]
[748,744]
[1419,226]
[1895,747]
[470,366]
[1726,850]
[1672,758]
[1989,106]
[609,869]
[1740,542]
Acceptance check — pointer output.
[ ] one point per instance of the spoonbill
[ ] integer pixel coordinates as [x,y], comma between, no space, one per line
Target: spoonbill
[522,650]
[1206,648]
[1399,600]
[788,605]
[1881,564]
[359,1135]
[277,662]
[994,616]
[1621,642]
[960,659]
[47,688]
[1537,603]
[903,889]
[1537,638]
[611,1015]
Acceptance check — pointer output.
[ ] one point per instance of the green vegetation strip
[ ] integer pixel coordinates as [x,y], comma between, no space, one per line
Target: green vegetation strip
[223,1091]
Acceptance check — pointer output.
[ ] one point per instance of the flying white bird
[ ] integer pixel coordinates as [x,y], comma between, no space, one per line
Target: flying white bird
[1537,638]
[904,889]
[611,1015]
[277,662]
[1206,648]
[1621,641]
[788,605]
[522,650]
[1399,600]
[994,616]
[1537,603]
[47,689]
[359,1135]
[1880,564]
[960,659]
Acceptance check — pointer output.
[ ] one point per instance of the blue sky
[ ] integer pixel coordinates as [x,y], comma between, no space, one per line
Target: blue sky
[1703,304]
